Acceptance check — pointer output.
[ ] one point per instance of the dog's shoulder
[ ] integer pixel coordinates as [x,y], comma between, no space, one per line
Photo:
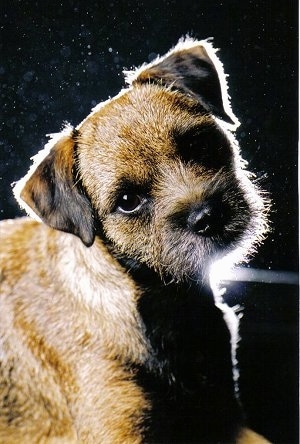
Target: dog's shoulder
[10,226]
[21,248]
[18,233]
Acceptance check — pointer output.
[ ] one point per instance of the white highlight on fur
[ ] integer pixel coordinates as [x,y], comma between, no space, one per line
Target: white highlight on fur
[217,270]
[37,159]
[183,43]
[186,43]
[101,105]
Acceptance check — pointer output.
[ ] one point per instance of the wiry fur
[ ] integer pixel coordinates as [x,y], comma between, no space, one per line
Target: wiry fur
[109,331]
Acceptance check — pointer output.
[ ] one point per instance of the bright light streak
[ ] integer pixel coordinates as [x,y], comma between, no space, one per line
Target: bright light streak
[220,273]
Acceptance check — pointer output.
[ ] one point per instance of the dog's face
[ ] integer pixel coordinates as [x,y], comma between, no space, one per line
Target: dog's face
[153,173]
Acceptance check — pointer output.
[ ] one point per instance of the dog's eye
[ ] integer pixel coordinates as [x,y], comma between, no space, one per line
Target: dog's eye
[129,203]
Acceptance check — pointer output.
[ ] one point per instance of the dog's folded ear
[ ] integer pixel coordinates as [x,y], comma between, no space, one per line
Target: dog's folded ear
[193,68]
[51,191]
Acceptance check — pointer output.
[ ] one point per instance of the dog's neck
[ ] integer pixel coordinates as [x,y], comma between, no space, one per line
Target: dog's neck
[181,320]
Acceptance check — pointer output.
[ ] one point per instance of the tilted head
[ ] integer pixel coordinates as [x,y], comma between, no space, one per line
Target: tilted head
[155,172]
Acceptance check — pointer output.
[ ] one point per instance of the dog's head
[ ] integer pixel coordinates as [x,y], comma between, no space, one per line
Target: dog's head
[155,171]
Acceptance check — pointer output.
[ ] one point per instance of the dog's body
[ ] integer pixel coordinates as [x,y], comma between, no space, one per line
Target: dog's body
[112,335]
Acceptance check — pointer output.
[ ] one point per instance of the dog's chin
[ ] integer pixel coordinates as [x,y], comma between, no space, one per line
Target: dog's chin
[183,262]
[188,265]
[184,256]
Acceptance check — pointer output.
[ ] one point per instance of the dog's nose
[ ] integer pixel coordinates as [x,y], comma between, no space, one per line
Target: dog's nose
[203,219]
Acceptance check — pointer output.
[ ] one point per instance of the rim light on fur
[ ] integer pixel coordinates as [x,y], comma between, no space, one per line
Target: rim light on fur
[186,43]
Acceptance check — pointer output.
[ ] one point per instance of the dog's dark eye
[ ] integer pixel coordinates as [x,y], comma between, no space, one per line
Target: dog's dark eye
[129,203]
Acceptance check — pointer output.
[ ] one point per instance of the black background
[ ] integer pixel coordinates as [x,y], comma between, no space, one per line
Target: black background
[59,59]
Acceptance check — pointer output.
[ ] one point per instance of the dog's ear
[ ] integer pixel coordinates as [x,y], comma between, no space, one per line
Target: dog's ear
[51,190]
[193,68]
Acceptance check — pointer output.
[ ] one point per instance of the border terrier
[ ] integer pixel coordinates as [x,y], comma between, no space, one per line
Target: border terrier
[110,332]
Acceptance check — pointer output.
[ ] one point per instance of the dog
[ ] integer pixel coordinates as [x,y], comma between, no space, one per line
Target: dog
[110,332]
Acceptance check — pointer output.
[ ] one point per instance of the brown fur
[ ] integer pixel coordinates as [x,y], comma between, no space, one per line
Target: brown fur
[72,338]
[51,369]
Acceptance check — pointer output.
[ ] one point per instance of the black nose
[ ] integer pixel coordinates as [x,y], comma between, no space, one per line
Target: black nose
[203,219]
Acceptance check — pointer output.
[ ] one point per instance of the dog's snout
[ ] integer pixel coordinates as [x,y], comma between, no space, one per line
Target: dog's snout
[204,219]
